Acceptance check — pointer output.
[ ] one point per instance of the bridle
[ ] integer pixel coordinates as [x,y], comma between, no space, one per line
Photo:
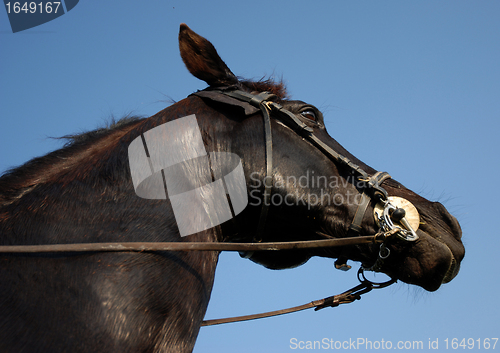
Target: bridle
[372,190]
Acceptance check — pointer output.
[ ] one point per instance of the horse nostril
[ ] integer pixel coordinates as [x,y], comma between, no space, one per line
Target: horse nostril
[451,221]
[457,230]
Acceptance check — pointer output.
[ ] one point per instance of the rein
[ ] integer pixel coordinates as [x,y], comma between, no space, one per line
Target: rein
[346,297]
[372,190]
[190,246]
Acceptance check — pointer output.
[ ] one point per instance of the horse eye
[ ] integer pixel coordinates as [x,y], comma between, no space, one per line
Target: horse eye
[309,114]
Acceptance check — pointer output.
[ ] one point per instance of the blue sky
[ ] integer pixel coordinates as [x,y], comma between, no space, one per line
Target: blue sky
[412,88]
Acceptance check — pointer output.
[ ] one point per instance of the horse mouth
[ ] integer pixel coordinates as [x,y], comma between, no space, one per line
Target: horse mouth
[430,262]
[453,262]
[452,270]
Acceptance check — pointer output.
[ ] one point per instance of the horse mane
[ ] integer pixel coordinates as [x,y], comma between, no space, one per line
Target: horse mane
[17,181]
[87,136]
[277,88]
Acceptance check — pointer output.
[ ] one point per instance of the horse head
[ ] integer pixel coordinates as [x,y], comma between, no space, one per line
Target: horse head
[311,196]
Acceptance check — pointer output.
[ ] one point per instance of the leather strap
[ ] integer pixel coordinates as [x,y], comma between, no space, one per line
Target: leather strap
[268,179]
[217,97]
[360,213]
[189,246]
[373,184]
[261,100]
[346,297]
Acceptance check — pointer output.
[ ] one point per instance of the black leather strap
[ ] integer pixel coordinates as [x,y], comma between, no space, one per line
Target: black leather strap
[268,179]
[360,213]
[337,156]
[261,100]
[292,120]
[254,99]
[373,183]
[233,102]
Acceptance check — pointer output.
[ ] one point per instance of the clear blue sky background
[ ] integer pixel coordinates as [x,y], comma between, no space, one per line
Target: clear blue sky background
[408,87]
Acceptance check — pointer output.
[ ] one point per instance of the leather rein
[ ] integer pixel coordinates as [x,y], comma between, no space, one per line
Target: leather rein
[372,190]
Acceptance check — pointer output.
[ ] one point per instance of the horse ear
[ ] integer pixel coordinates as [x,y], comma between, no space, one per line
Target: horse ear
[202,60]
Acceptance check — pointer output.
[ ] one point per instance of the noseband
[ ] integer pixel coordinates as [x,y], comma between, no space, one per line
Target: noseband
[387,217]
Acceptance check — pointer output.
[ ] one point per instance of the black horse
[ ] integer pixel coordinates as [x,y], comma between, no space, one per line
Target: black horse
[156,301]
